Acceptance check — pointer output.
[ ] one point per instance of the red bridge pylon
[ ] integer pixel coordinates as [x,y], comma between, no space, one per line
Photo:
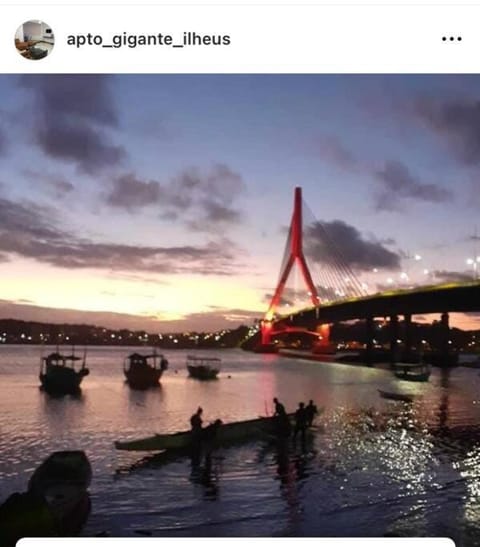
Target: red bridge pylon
[295,255]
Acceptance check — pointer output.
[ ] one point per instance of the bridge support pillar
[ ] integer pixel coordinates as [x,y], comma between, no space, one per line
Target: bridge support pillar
[266,345]
[408,335]
[266,330]
[393,339]
[323,345]
[370,333]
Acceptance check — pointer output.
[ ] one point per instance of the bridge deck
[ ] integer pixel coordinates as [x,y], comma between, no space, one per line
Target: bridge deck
[432,299]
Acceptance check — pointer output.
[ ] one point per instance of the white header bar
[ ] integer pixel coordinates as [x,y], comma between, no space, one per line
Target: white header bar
[189,3]
[259,542]
[249,39]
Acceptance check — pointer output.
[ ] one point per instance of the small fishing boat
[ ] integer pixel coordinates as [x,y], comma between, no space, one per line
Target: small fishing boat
[228,433]
[144,371]
[58,374]
[203,368]
[397,396]
[56,503]
[413,372]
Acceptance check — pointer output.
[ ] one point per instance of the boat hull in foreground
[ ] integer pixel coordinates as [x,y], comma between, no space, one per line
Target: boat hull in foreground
[57,502]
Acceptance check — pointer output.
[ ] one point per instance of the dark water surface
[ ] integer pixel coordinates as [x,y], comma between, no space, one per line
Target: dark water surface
[373,467]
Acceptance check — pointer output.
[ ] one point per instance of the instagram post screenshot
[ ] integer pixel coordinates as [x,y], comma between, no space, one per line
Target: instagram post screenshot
[239,274]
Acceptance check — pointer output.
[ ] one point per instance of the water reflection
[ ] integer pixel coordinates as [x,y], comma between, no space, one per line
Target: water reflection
[444,399]
[207,476]
[374,467]
[140,397]
[153,462]
[63,413]
[78,395]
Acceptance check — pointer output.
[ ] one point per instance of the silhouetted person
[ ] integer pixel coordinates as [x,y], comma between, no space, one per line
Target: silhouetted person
[283,427]
[300,422]
[196,440]
[311,410]
[196,420]
[279,408]
[209,436]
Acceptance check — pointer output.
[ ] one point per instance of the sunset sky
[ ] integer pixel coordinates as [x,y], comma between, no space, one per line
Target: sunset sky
[162,201]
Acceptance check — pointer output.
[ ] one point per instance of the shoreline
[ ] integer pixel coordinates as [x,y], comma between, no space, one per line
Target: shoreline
[332,358]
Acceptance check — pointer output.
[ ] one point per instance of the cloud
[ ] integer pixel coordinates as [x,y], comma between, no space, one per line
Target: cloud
[453,277]
[458,122]
[203,199]
[72,124]
[27,221]
[288,297]
[334,151]
[57,184]
[301,298]
[327,293]
[32,231]
[398,183]
[129,192]
[211,320]
[3,142]
[138,278]
[215,319]
[337,241]
[395,181]
[206,197]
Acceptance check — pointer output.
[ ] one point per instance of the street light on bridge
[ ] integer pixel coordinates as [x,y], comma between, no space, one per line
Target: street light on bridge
[474,262]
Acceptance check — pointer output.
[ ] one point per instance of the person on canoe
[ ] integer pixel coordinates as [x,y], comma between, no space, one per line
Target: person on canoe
[279,408]
[300,422]
[196,420]
[311,410]
[209,436]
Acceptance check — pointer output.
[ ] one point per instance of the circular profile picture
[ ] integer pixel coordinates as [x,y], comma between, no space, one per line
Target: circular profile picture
[34,40]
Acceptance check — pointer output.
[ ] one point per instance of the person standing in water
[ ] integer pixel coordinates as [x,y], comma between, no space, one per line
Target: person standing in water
[300,422]
[311,411]
[196,435]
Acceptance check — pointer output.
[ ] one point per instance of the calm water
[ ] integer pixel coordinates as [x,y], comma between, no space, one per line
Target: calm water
[373,467]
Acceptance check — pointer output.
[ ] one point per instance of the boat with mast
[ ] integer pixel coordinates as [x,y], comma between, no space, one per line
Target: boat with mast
[144,371]
[58,374]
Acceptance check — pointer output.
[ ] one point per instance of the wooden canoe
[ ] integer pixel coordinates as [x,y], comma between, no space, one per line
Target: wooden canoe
[228,433]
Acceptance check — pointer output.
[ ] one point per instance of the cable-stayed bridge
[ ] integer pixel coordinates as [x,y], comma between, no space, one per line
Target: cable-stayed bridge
[337,294]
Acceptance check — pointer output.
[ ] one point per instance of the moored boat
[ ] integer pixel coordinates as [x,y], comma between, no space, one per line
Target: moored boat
[413,372]
[144,371]
[58,374]
[228,433]
[57,502]
[397,396]
[203,368]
